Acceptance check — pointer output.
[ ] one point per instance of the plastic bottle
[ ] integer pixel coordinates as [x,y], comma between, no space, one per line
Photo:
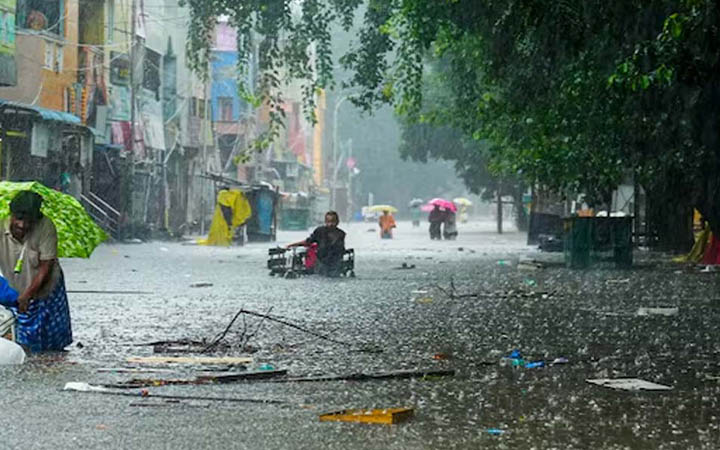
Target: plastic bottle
[514,362]
[533,364]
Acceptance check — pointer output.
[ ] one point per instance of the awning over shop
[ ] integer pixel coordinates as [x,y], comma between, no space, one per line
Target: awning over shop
[46,114]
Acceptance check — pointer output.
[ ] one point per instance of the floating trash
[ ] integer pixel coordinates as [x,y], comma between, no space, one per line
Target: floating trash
[629,384]
[657,311]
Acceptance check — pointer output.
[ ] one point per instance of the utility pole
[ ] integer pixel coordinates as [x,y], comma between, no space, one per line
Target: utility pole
[130,174]
[335,149]
[203,133]
[349,182]
[499,207]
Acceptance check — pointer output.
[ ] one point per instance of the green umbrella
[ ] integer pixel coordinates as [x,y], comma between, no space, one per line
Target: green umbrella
[77,233]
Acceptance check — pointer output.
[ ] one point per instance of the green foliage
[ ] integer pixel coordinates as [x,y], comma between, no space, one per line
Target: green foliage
[572,95]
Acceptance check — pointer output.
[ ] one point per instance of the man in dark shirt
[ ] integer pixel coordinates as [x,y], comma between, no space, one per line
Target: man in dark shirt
[436,218]
[330,242]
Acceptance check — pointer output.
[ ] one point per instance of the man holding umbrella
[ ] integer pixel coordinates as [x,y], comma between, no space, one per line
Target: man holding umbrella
[28,260]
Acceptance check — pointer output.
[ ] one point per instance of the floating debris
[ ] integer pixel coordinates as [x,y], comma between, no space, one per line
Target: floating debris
[629,384]
[657,311]
[388,416]
[188,360]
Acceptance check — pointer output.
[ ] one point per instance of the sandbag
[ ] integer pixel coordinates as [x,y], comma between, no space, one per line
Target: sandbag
[10,353]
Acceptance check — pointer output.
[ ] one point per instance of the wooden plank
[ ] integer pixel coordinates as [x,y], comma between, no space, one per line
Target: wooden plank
[387,416]
[229,377]
[188,360]
[203,378]
[400,374]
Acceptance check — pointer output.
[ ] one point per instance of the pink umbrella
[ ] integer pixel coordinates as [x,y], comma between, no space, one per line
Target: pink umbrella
[442,203]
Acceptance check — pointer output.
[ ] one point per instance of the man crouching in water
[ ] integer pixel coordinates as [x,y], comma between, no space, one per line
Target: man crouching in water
[28,260]
[330,242]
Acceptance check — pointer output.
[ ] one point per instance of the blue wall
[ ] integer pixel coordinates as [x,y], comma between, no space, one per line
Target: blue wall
[224,83]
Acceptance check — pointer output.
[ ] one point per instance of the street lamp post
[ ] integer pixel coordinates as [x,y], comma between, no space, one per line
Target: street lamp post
[335,146]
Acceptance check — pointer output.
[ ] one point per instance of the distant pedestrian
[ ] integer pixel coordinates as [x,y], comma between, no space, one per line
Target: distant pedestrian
[387,223]
[449,226]
[436,218]
[415,215]
[463,216]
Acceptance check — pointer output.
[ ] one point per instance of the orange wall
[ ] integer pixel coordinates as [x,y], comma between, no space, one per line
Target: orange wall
[36,82]
[55,84]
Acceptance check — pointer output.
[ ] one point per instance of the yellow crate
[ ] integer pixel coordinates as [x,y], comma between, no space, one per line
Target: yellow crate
[387,416]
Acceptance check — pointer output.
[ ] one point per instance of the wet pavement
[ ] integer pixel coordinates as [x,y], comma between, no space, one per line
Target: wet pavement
[464,306]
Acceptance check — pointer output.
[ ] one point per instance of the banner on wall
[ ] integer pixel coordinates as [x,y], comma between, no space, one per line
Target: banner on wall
[120,103]
[8,69]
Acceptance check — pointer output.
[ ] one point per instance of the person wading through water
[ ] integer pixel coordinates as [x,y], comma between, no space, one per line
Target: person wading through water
[330,242]
[29,262]
[436,218]
[387,223]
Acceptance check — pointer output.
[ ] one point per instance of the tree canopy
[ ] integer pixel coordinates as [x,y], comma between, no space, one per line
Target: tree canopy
[571,95]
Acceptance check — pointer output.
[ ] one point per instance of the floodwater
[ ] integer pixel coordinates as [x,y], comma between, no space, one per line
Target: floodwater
[464,306]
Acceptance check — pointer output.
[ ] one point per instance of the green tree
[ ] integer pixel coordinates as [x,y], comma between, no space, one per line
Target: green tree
[570,95]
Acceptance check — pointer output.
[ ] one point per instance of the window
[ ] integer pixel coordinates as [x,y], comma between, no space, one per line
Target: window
[7,28]
[201,108]
[225,105]
[151,71]
[49,56]
[59,54]
[119,69]
[197,107]
[41,15]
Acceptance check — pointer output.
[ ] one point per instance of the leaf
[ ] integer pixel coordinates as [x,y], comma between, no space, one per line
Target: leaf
[645,81]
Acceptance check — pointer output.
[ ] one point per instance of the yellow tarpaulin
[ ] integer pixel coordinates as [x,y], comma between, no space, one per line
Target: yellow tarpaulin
[237,211]
[701,243]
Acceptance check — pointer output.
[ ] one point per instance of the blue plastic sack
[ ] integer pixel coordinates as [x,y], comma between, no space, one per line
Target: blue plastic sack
[8,295]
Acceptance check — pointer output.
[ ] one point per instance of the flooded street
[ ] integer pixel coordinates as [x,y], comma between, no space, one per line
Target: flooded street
[459,305]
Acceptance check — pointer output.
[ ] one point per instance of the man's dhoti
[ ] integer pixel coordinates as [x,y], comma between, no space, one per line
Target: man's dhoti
[46,324]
